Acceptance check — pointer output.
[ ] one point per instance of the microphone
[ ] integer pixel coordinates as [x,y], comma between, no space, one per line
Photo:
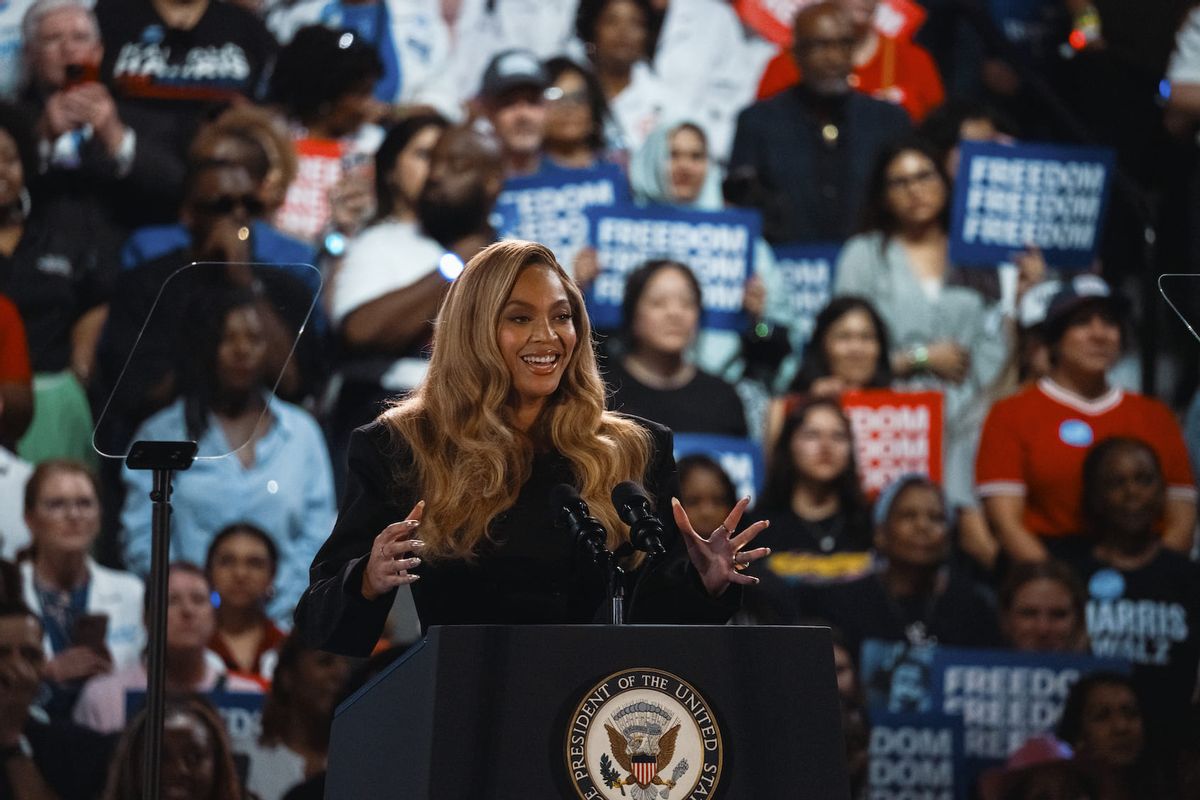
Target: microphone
[633,507]
[571,514]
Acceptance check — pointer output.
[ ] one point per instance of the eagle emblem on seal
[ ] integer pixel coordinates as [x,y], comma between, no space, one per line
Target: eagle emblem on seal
[641,738]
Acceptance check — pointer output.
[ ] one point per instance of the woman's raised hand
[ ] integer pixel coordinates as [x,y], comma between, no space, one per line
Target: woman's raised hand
[720,558]
[393,554]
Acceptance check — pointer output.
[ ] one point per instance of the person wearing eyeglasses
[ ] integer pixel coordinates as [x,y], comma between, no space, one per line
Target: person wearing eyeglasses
[91,615]
[576,116]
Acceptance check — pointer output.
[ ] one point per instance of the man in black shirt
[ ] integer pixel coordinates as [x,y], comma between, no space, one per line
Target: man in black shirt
[812,146]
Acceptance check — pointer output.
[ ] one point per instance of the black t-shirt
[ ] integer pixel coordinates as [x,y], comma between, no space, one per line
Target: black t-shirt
[64,265]
[706,404]
[227,53]
[1151,618]
[960,615]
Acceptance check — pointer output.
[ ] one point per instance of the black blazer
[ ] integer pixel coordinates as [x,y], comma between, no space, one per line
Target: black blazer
[526,572]
[821,190]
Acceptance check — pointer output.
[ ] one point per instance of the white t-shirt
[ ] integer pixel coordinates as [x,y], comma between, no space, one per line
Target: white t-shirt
[14,473]
[645,104]
[1184,66]
[385,257]
[274,770]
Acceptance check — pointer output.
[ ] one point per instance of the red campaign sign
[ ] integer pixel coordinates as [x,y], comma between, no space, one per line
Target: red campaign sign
[772,19]
[895,433]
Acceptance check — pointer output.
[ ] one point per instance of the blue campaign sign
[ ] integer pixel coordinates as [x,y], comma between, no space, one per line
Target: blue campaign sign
[1004,697]
[916,755]
[742,459]
[807,273]
[718,246]
[1008,197]
[550,207]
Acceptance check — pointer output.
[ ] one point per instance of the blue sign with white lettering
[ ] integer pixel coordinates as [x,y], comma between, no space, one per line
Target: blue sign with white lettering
[718,246]
[550,207]
[1010,197]
[915,755]
[807,273]
[742,459]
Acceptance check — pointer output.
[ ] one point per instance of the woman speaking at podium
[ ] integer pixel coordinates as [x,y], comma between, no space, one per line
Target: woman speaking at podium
[449,490]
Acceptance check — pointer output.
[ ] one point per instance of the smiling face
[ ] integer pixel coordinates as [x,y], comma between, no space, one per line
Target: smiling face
[667,314]
[65,517]
[536,335]
[852,348]
[688,164]
[1131,496]
[1042,618]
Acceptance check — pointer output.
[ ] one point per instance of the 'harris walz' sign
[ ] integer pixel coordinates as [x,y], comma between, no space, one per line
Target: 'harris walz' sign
[1008,197]
[718,246]
[550,207]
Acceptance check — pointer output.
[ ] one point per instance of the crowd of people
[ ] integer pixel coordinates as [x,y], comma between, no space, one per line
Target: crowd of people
[236,222]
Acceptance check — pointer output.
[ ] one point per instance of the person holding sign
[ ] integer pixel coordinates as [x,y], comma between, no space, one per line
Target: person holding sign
[511,407]
[942,334]
[674,168]
[1032,449]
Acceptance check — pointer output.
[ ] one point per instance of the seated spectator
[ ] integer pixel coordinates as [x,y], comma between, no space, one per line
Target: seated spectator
[705,491]
[512,98]
[16,379]
[942,333]
[891,68]
[1042,608]
[914,596]
[275,474]
[674,169]
[57,269]
[1102,722]
[91,615]
[576,117]
[435,188]
[1144,600]
[323,83]
[147,45]
[40,759]
[654,378]
[218,212]
[1029,470]
[190,666]
[241,566]
[620,38]
[847,350]
[256,139]
[197,760]
[811,147]
[296,719]
[820,520]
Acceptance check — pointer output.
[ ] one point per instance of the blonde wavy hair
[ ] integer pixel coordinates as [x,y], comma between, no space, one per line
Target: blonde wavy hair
[468,459]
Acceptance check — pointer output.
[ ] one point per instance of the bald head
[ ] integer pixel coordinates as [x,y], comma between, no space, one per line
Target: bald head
[823,44]
[466,173]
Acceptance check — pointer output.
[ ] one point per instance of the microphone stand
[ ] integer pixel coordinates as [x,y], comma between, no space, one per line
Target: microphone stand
[163,459]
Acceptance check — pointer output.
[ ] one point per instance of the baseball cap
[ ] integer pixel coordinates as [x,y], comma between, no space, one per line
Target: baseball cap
[511,69]
[1051,302]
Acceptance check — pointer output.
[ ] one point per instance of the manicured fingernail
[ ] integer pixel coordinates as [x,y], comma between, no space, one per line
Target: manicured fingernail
[420,504]
[414,578]
[416,562]
[674,501]
[757,580]
[412,523]
[417,543]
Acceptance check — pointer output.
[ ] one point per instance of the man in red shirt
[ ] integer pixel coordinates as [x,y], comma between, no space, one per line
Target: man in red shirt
[1029,468]
[891,68]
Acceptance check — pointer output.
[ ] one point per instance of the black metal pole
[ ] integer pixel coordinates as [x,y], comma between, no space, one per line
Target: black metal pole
[156,652]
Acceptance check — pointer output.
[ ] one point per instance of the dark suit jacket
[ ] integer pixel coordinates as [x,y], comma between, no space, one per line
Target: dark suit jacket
[526,572]
[821,189]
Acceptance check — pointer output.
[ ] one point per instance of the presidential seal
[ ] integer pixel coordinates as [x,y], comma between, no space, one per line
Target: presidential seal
[644,734]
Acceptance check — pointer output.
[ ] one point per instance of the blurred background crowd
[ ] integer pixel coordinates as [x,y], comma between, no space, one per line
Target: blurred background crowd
[360,146]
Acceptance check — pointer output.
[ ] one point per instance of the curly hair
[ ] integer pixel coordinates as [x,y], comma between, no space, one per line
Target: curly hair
[459,424]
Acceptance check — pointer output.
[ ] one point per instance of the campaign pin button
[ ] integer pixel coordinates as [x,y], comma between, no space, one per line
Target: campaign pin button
[1107,584]
[1076,433]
